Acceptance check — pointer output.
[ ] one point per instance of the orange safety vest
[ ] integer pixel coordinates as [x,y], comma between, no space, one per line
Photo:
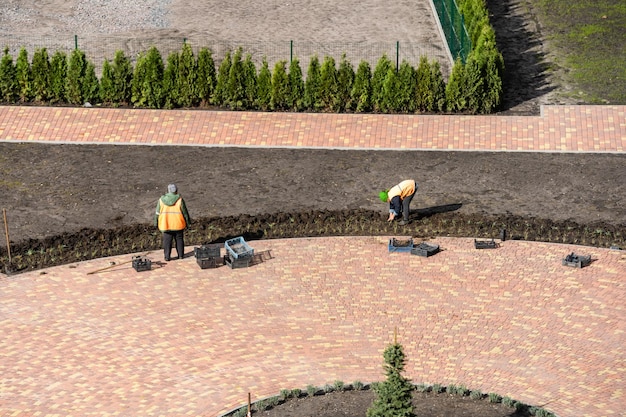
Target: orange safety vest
[404,189]
[171,217]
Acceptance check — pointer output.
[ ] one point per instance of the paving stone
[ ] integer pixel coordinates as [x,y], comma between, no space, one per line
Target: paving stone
[183,340]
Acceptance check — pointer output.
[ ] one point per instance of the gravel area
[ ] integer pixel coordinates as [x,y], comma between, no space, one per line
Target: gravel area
[82,17]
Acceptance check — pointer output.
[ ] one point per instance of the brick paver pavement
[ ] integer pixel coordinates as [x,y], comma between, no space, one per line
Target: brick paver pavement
[559,128]
[179,340]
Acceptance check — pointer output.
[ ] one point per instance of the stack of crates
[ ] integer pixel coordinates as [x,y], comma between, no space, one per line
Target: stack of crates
[238,253]
[208,256]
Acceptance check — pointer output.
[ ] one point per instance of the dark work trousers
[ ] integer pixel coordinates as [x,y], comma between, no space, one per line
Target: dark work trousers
[167,243]
[406,205]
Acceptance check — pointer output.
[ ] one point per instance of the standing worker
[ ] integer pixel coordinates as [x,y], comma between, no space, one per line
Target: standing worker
[399,198]
[172,219]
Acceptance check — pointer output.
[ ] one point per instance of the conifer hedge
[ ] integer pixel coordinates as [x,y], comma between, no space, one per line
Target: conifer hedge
[185,80]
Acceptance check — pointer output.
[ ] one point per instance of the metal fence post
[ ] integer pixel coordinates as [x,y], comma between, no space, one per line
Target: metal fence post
[290,51]
[75,41]
[397,56]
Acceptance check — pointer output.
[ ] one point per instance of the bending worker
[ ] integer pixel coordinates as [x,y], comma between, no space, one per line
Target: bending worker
[399,198]
[172,219]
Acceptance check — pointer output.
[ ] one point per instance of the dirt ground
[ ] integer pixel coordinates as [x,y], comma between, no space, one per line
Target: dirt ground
[103,187]
[59,198]
[356,403]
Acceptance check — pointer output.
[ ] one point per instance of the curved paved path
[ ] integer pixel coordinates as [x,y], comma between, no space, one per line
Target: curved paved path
[178,340]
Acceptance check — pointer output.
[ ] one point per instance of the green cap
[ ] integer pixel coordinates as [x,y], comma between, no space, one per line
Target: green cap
[384,197]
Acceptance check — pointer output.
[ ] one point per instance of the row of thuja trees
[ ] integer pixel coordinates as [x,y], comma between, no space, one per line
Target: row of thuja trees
[187,80]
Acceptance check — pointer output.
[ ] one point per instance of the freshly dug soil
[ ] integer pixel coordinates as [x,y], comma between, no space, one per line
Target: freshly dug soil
[355,403]
[66,203]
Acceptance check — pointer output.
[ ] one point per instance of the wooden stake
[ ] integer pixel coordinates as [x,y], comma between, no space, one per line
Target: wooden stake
[6,232]
[249,405]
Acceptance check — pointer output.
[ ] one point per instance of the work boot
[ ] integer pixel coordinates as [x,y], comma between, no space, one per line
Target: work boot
[403,222]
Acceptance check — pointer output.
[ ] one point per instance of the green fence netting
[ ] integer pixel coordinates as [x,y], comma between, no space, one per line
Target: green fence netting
[453,26]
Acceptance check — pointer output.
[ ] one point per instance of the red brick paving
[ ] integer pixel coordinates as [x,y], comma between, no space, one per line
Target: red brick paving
[178,340]
[557,129]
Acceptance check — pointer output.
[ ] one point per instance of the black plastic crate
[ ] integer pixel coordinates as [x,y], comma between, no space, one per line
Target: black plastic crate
[212,262]
[240,262]
[576,261]
[141,264]
[425,249]
[485,244]
[207,251]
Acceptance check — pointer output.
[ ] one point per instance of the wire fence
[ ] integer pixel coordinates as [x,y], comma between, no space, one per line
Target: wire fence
[100,48]
[453,26]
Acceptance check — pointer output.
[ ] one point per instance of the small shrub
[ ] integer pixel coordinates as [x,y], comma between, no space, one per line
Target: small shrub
[280,87]
[58,73]
[311,390]
[242,412]
[206,76]
[250,80]
[40,68]
[186,77]
[91,85]
[405,94]
[170,83]
[122,74]
[476,395]
[358,385]
[339,386]
[508,401]
[147,82]
[394,395]
[75,76]
[328,388]
[312,84]
[494,398]
[389,99]
[296,392]
[296,86]
[264,87]
[285,393]
[345,79]
[361,93]
[328,85]
[383,66]
[462,391]
[8,78]
[454,97]
[24,76]
[261,405]
[520,406]
[273,401]
[437,388]
[235,85]
[220,95]
[107,92]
